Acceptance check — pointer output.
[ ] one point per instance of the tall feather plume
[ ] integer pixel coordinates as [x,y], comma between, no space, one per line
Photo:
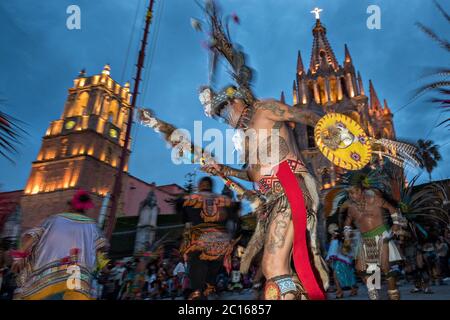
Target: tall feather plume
[393,159]
[402,151]
[220,44]
[422,205]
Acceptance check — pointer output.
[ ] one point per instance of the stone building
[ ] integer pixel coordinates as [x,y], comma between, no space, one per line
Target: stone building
[327,86]
[82,150]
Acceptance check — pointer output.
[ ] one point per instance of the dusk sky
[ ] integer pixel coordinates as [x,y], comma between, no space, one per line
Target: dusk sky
[40,57]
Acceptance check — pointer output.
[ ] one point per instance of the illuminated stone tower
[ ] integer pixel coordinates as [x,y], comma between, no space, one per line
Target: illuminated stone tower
[326,86]
[81,149]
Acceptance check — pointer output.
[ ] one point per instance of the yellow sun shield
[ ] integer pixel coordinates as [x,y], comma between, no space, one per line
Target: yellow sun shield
[342,141]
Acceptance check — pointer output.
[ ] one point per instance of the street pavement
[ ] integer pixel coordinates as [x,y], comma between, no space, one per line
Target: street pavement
[440,293]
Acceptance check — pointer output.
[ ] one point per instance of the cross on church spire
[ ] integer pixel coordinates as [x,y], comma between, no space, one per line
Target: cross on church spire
[317,12]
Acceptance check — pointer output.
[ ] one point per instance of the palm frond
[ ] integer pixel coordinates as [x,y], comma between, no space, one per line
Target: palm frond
[442,42]
[443,12]
[437,85]
[10,135]
[433,72]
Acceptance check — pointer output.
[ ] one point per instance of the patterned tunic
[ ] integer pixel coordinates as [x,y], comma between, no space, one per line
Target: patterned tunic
[63,258]
[208,213]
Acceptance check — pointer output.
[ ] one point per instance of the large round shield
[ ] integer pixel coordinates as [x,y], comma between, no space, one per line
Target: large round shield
[342,141]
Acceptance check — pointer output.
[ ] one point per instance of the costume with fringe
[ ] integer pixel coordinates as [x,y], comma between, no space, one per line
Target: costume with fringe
[292,190]
[64,247]
[207,243]
[369,249]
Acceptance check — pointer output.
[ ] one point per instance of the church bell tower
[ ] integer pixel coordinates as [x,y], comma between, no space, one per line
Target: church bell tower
[79,150]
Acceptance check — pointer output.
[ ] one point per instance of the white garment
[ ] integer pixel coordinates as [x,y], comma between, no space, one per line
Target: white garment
[394,253]
[152,278]
[180,268]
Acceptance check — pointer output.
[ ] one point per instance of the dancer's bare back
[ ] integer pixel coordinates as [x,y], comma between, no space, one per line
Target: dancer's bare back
[269,141]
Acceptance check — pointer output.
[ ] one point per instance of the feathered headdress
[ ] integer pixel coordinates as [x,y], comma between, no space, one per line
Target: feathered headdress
[366,178]
[220,45]
[422,205]
[213,102]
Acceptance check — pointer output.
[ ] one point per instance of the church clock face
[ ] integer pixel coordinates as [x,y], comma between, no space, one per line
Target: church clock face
[113,133]
[70,124]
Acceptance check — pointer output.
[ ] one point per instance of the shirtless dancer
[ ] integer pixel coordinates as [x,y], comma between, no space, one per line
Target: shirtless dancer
[283,179]
[365,208]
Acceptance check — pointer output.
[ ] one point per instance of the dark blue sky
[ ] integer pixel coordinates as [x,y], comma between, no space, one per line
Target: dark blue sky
[40,57]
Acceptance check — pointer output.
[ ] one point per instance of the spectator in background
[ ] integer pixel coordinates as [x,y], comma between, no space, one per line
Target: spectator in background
[442,253]
[431,261]
[236,277]
[422,275]
[7,277]
[153,290]
[179,273]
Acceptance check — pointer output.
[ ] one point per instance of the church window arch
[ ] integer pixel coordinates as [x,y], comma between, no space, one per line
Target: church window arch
[108,155]
[310,137]
[80,105]
[110,117]
[322,90]
[333,90]
[110,110]
[344,87]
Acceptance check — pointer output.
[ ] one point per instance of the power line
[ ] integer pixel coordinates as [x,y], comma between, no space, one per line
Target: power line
[434,125]
[127,55]
[415,98]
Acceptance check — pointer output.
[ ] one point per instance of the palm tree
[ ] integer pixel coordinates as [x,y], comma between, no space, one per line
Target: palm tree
[428,154]
[10,134]
[440,86]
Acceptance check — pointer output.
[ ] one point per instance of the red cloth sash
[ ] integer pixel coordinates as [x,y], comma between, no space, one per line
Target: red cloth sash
[302,260]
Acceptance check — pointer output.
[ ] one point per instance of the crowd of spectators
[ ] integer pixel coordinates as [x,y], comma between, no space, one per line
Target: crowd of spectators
[161,279]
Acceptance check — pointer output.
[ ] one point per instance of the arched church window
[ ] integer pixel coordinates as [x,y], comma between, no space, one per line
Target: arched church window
[80,104]
[84,111]
[333,90]
[64,147]
[322,90]
[323,56]
[113,109]
[344,87]
[108,155]
[111,117]
[311,90]
[310,137]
